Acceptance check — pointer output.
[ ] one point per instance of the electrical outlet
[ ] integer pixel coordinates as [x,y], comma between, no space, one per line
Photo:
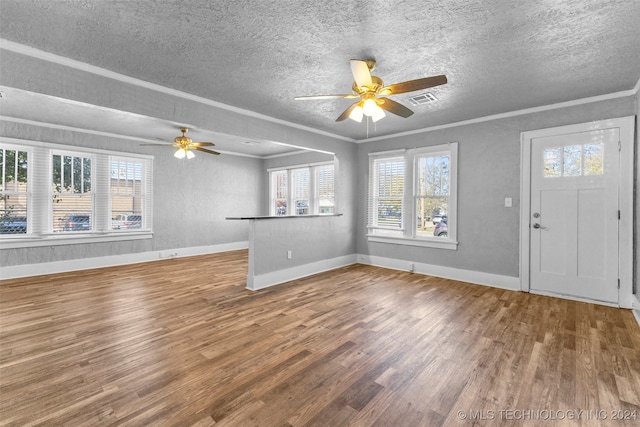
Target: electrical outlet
[289,254]
[508,202]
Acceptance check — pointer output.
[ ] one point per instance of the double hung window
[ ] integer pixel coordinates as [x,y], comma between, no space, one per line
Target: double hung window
[387,194]
[302,190]
[412,196]
[127,193]
[14,190]
[53,194]
[72,202]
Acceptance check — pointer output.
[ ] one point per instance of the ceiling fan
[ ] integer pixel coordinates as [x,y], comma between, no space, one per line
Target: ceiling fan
[185,146]
[373,93]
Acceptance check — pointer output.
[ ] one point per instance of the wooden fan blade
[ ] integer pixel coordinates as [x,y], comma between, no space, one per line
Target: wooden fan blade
[394,107]
[361,73]
[204,150]
[202,144]
[412,85]
[346,112]
[306,98]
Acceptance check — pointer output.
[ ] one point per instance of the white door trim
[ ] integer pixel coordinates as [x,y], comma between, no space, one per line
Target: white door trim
[625,198]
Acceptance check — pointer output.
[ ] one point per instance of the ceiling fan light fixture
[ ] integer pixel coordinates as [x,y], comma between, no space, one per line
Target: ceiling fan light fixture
[378,114]
[356,114]
[180,153]
[185,146]
[373,93]
[369,108]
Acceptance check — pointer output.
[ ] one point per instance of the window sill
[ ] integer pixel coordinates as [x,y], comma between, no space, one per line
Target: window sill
[425,243]
[31,241]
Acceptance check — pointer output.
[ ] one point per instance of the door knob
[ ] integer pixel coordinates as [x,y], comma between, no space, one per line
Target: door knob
[536,225]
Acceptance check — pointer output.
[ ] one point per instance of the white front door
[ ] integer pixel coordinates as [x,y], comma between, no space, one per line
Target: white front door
[574,215]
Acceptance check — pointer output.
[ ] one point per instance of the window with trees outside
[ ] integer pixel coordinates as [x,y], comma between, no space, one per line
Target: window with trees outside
[302,190]
[72,205]
[412,196]
[54,194]
[13,190]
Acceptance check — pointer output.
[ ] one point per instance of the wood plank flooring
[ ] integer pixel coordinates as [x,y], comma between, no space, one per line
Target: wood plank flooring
[181,342]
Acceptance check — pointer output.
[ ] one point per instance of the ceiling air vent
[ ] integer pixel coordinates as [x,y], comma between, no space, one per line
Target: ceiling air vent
[423,98]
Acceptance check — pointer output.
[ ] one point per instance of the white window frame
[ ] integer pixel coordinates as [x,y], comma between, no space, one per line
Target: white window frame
[74,153]
[145,215]
[316,187]
[292,186]
[314,208]
[406,234]
[40,198]
[273,190]
[16,148]
[374,190]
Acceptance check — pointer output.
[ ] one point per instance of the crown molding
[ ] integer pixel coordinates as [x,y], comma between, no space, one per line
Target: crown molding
[72,63]
[106,134]
[588,100]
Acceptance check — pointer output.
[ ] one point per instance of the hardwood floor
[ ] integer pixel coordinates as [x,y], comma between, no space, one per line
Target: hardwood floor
[181,342]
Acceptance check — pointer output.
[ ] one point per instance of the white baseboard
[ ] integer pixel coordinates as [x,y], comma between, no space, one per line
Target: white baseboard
[262,281]
[276,277]
[475,277]
[26,270]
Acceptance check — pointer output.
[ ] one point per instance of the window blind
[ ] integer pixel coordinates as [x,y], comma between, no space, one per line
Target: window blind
[68,189]
[386,192]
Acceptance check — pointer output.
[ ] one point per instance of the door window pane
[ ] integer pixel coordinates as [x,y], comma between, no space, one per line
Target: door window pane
[593,159]
[552,162]
[573,160]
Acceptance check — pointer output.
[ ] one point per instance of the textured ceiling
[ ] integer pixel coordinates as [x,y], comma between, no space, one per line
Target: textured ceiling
[499,56]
